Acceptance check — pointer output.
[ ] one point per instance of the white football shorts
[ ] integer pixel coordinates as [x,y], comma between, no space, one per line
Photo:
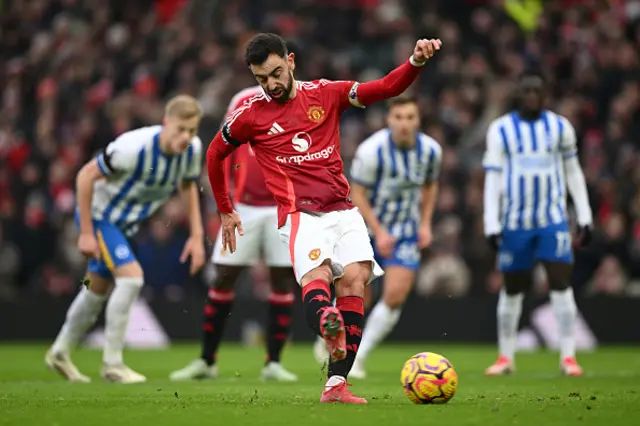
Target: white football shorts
[340,236]
[261,239]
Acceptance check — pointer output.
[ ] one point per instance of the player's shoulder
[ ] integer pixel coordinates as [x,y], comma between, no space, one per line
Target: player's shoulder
[553,116]
[375,141]
[136,139]
[429,143]
[195,144]
[248,108]
[244,96]
[321,84]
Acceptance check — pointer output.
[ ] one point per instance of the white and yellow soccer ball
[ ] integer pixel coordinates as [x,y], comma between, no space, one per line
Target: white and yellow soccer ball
[429,378]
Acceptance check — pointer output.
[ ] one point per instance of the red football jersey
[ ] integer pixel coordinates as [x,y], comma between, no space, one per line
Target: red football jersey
[248,180]
[297,145]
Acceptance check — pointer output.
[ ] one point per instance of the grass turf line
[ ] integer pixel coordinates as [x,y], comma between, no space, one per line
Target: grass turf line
[535,395]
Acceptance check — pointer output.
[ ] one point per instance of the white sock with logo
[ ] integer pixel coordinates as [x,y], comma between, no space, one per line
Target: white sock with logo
[508,312]
[82,314]
[124,294]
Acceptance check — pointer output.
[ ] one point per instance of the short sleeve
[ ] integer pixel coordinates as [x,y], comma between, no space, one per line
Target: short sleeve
[194,160]
[568,140]
[494,155]
[364,168]
[435,163]
[120,156]
[345,93]
[236,129]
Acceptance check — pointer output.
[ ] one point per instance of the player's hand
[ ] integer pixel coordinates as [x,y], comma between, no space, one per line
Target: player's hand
[385,243]
[585,235]
[194,249]
[230,222]
[494,240]
[88,245]
[425,49]
[424,237]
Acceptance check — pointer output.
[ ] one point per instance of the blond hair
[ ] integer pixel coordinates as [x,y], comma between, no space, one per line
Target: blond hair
[184,107]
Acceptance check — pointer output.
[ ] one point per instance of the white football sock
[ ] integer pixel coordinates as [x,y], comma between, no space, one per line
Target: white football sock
[565,309]
[119,306]
[509,311]
[381,321]
[82,314]
[334,380]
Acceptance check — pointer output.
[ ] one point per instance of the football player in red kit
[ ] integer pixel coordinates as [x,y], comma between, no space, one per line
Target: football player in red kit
[293,128]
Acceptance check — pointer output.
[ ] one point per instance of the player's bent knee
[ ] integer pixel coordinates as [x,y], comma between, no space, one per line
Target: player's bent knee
[98,284]
[394,299]
[322,273]
[356,276]
[129,270]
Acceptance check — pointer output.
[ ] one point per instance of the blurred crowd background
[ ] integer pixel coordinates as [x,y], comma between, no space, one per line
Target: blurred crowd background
[74,74]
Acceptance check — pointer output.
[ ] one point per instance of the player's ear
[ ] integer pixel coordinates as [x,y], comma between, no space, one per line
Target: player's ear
[291,61]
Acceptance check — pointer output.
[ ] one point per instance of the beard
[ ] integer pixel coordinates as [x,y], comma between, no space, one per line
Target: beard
[286,92]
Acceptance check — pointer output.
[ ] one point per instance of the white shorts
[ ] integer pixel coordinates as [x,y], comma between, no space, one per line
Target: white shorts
[260,240]
[340,236]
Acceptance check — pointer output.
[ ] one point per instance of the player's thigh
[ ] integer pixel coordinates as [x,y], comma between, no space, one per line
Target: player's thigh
[117,254]
[353,245]
[554,245]
[98,282]
[275,251]
[247,246]
[516,252]
[398,281]
[309,241]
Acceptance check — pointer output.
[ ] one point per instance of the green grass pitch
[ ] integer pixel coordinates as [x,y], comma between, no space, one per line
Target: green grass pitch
[536,395]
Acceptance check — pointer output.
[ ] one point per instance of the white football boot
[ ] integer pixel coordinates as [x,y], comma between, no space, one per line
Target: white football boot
[196,370]
[62,364]
[274,371]
[121,374]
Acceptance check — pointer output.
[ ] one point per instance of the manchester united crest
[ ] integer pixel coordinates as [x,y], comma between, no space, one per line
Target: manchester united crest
[315,113]
[314,255]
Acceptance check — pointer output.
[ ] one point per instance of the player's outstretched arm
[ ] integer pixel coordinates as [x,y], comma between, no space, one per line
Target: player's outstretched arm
[398,80]
[493,163]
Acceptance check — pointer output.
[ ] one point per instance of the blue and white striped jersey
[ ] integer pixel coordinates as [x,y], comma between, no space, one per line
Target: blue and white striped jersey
[140,177]
[394,177]
[530,154]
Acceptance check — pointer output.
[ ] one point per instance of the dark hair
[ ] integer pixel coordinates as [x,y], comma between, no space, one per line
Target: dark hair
[262,45]
[401,100]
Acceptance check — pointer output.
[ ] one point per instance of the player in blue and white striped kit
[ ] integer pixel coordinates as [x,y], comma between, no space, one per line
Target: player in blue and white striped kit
[394,183]
[531,160]
[134,176]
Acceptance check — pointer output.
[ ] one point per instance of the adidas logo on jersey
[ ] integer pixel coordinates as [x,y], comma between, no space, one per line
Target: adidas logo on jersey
[275,129]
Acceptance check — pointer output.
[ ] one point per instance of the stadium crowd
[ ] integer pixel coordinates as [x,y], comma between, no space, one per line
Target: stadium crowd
[74,74]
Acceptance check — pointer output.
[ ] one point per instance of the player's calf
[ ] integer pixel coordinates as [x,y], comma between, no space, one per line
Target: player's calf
[128,284]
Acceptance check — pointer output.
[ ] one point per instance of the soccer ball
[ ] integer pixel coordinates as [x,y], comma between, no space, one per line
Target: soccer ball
[429,378]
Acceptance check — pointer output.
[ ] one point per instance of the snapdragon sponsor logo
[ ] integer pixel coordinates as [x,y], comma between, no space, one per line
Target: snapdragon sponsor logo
[309,156]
